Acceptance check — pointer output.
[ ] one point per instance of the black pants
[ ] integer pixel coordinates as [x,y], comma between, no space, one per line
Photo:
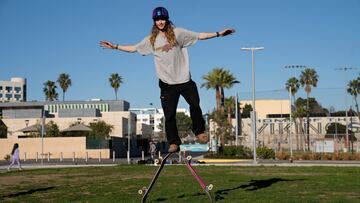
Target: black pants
[170,95]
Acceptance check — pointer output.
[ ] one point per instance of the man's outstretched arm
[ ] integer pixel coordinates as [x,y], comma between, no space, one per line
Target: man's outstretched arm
[126,48]
[206,35]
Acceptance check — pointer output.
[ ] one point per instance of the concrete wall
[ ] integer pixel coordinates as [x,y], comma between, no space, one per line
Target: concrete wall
[55,146]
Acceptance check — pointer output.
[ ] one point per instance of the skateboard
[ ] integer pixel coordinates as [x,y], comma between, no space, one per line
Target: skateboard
[206,188]
[146,190]
[187,160]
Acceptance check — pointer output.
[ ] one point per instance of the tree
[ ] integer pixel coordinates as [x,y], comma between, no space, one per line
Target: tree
[50,91]
[223,129]
[354,89]
[3,129]
[300,113]
[308,78]
[339,130]
[64,82]
[52,129]
[100,130]
[230,108]
[219,79]
[183,124]
[115,82]
[293,84]
[314,106]
[246,111]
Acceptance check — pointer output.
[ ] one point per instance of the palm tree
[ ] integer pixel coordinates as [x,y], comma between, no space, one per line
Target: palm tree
[50,91]
[308,78]
[219,79]
[354,89]
[64,82]
[230,107]
[293,84]
[115,81]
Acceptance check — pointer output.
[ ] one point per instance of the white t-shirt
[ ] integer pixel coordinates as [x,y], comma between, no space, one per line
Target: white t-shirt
[172,66]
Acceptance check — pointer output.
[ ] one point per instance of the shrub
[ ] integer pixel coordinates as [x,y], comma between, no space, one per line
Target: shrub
[234,152]
[282,155]
[7,157]
[265,153]
[315,156]
[326,156]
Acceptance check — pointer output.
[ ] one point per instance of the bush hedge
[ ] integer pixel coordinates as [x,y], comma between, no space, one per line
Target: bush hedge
[319,156]
[241,152]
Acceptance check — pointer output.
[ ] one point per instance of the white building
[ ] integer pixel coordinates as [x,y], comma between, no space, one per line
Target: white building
[153,117]
[13,90]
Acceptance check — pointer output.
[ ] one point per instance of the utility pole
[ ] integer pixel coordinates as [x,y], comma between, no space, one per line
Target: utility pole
[252,49]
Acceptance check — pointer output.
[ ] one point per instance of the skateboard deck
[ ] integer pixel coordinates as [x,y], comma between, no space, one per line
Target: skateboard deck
[206,188]
[146,190]
[187,160]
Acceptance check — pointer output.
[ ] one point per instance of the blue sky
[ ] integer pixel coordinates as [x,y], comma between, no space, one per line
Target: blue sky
[42,38]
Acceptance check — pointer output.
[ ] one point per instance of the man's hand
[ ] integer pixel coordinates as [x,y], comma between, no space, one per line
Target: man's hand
[107,45]
[226,32]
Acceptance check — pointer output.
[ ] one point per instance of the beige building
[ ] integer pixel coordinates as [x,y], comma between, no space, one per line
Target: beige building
[19,117]
[266,107]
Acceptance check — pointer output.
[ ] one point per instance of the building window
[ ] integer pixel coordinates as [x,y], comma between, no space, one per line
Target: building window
[8,96]
[17,97]
[1,88]
[8,89]
[17,89]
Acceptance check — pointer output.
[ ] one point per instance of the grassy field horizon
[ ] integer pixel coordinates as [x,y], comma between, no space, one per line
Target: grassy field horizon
[176,184]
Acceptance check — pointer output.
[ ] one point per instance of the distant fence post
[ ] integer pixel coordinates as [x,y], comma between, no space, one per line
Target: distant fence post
[61,156]
[48,156]
[37,156]
[113,156]
[99,156]
[73,156]
[87,157]
[24,156]
[142,155]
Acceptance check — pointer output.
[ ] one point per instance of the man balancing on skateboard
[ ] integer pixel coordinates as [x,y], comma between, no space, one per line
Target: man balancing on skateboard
[169,45]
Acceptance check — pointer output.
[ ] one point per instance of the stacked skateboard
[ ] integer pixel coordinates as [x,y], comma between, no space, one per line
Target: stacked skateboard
[187,159]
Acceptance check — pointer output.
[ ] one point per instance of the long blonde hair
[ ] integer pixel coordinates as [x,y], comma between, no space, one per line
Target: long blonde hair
[169,34]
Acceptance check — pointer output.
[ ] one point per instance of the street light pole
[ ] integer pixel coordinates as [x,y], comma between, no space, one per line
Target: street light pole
[290,109]
[252,49]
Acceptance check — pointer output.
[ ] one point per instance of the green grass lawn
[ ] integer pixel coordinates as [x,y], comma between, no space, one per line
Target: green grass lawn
[176,184]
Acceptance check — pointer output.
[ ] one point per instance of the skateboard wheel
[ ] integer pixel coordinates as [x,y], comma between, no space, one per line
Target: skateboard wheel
[188,158]
[157,161]
[140,192]
[210,187]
